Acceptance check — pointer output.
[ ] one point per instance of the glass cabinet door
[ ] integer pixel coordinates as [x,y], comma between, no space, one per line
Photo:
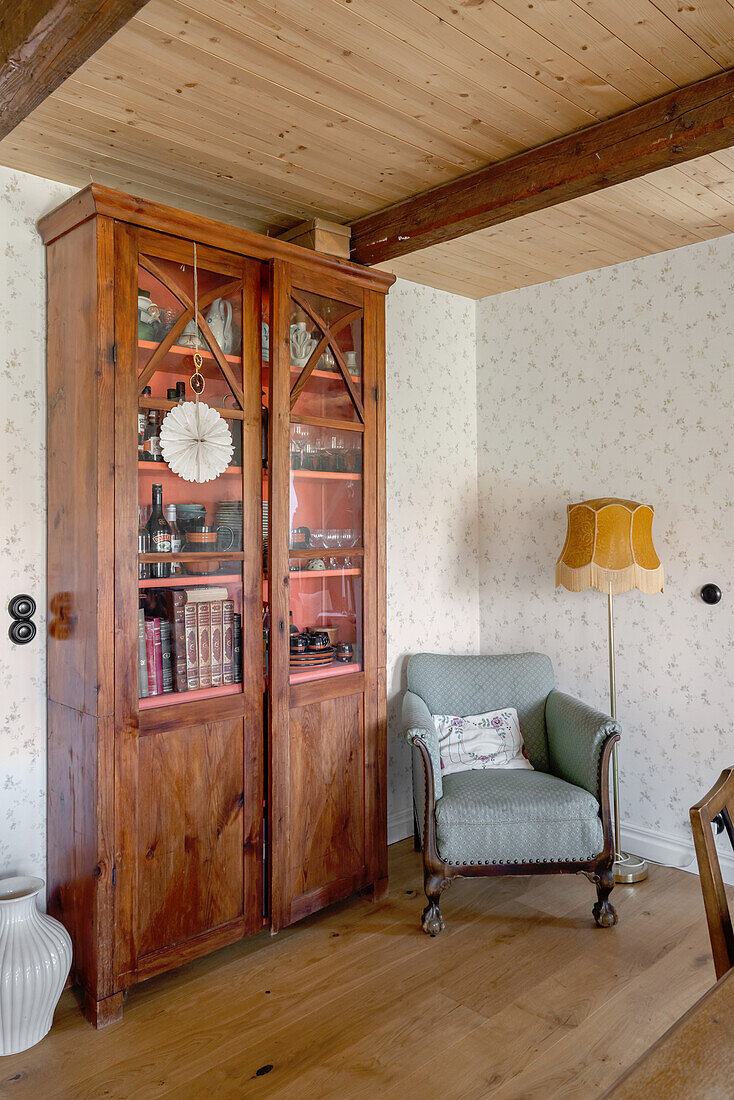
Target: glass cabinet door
[326,487]
[190,533]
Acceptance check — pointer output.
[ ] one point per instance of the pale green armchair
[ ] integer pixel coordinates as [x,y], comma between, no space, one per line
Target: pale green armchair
[552,820]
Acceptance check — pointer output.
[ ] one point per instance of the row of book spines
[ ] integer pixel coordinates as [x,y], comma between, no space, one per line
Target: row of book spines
[207,632]
[155,670]
[199,646]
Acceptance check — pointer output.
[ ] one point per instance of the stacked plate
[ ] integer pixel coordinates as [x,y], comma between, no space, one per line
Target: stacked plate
[265,530]
[316,658]
[228,513]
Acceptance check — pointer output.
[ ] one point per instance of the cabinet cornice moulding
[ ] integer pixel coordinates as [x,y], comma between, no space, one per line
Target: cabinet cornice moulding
[98,200]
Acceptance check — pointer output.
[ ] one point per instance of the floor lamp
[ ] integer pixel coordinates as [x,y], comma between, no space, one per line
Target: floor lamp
[609,547]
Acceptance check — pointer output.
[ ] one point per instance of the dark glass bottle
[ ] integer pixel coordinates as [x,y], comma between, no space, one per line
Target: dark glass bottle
[159,530]
[180,392]
[142,422]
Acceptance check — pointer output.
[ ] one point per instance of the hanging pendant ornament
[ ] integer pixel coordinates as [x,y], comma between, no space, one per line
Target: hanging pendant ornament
[196,442]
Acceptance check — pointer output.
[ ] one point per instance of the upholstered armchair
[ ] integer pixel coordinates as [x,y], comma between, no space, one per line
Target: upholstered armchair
[552,820]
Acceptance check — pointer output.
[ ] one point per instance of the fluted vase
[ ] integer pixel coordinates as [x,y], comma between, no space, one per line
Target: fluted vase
[35,958]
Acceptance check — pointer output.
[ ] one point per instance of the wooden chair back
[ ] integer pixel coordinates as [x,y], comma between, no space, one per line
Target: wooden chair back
[717,804]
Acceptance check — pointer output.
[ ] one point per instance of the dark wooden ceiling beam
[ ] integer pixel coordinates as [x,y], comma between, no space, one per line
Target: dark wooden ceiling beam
[684,124]
[44,41]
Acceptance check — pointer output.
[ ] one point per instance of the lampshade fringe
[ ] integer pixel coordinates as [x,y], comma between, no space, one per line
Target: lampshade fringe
[592,575]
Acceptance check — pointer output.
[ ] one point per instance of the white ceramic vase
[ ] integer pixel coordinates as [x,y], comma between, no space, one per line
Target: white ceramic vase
[35,958]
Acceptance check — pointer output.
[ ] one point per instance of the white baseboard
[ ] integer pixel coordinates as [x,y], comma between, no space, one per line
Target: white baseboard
[674,851]
[399,825]
[658,847]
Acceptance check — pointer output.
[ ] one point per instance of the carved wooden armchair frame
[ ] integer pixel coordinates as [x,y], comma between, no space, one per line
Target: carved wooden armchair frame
[439,874]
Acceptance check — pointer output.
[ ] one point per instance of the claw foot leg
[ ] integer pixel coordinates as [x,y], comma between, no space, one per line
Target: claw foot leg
[431,920]
[604,912]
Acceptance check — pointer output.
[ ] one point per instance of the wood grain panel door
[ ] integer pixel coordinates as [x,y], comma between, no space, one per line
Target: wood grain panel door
[327,776]
[189,833]
[324,744]
[188,748]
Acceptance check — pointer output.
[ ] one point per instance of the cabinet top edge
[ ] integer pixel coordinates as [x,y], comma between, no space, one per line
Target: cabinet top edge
[98,200]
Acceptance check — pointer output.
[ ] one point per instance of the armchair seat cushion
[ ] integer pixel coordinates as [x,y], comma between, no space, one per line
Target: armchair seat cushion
[515,817]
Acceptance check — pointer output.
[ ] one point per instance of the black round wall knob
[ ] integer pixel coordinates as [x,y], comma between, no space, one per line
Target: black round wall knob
[711,593]
[22,631]
[22,607]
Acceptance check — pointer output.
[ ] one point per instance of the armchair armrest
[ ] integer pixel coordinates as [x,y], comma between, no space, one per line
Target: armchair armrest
[577,735]
[420,733]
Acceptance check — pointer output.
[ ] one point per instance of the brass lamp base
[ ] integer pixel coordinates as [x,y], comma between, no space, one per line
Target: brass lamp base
[628,869]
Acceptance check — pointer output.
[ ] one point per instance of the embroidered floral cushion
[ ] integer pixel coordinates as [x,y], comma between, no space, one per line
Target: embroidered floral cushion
[479,741]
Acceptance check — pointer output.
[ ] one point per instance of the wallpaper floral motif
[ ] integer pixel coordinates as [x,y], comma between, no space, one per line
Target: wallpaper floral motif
[431,498]
[619,382]
[23,199]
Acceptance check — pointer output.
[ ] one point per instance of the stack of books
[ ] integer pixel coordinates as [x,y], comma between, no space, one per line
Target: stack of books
[188,638]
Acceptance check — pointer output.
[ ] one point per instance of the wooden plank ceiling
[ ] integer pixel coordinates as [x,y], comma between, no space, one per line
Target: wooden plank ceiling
[266,112]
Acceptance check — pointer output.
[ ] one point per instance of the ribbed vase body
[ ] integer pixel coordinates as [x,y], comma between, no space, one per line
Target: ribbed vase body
[35,958]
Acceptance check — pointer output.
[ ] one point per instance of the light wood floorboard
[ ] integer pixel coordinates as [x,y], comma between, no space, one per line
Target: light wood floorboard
[521,997]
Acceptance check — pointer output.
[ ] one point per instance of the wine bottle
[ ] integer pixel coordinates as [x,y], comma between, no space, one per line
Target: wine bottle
[159,531]
[176,541]
[142,421]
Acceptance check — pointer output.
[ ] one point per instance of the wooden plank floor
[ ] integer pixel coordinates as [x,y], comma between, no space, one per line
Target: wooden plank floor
[522,996]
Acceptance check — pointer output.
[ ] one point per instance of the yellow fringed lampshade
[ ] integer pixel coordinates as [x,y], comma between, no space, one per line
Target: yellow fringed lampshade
[609,546]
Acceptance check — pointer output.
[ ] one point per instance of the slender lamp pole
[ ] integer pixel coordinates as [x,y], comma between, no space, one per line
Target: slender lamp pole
[627,869]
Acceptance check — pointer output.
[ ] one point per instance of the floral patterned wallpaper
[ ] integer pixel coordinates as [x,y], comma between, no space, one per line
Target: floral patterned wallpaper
[23,199]
[432,502]
[431,499]
[619,382]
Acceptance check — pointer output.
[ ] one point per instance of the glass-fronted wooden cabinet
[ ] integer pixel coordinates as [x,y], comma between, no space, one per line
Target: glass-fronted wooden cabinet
[216,647]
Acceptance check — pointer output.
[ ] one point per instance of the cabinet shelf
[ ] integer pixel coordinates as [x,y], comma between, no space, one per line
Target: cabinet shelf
[190,582]
[332,552]
[162,469]
[325,572]
[179,349]
[221,555]
[160,405]
[323,475]
[173,697]
[323,673]
[317,375]
[328,375]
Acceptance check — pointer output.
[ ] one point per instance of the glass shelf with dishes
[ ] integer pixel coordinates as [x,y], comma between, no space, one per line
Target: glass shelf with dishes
[326,489]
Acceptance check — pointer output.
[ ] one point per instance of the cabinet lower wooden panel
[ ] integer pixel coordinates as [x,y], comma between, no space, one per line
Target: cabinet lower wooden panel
[80,840]
[327,835]
[190,832]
